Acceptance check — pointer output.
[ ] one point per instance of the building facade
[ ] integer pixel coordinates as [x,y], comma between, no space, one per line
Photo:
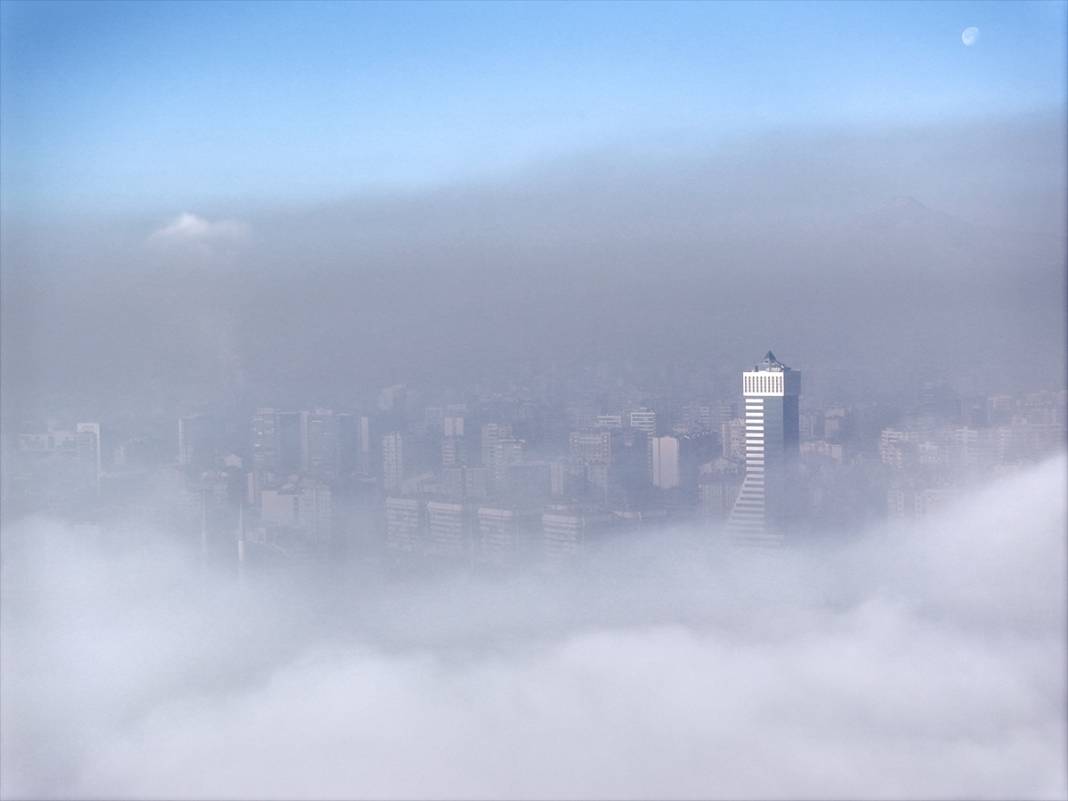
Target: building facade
[766,506]
[392,461]
[664,461]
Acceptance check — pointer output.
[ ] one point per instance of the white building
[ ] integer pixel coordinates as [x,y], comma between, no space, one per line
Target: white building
[507,451]
[732,434]
[306,506]
[566,533]
[404,524]
[664,455]
[446,528]
[643,419]
[590,447]
[504,534]
[766,503]
[492,433]
[452,426]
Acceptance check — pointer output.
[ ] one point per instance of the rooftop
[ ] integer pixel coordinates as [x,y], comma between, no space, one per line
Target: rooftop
[771,364]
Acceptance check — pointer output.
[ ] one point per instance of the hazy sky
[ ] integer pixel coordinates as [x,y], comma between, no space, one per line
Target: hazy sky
[161,107]
[370,192]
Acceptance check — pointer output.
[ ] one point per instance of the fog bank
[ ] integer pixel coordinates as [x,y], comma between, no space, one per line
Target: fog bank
[923,661]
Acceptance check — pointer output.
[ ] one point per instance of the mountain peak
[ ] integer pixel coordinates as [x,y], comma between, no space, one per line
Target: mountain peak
[906,212]
[907,203]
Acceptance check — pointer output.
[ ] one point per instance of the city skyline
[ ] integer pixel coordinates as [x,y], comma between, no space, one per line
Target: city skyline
[748,465]
[404,400]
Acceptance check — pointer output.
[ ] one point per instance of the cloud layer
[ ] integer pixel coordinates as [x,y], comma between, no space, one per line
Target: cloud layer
[916,662]
[192,231]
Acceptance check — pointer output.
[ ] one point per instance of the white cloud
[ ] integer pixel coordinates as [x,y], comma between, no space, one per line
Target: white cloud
[187,228]
[925,661]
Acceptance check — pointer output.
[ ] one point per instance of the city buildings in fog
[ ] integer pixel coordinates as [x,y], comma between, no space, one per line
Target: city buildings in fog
[399,478]
[377,420]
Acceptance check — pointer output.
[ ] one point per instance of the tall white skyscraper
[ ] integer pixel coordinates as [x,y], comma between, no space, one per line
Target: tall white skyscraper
[766,504]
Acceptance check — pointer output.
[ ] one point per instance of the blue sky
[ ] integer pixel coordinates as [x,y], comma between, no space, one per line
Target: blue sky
[150,105]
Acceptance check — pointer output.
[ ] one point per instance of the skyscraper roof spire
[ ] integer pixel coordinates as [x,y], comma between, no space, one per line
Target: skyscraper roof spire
[770,363]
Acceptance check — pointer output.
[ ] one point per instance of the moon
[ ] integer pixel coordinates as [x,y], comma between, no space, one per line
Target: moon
[970,36]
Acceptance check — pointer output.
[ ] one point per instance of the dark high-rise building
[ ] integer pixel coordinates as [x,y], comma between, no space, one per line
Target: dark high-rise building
[277,445]
[320,444]
[198,437]
[348,436]
[289,437]
[266,446]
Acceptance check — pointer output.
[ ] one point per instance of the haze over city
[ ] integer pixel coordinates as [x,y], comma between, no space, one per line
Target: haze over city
[529,400]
